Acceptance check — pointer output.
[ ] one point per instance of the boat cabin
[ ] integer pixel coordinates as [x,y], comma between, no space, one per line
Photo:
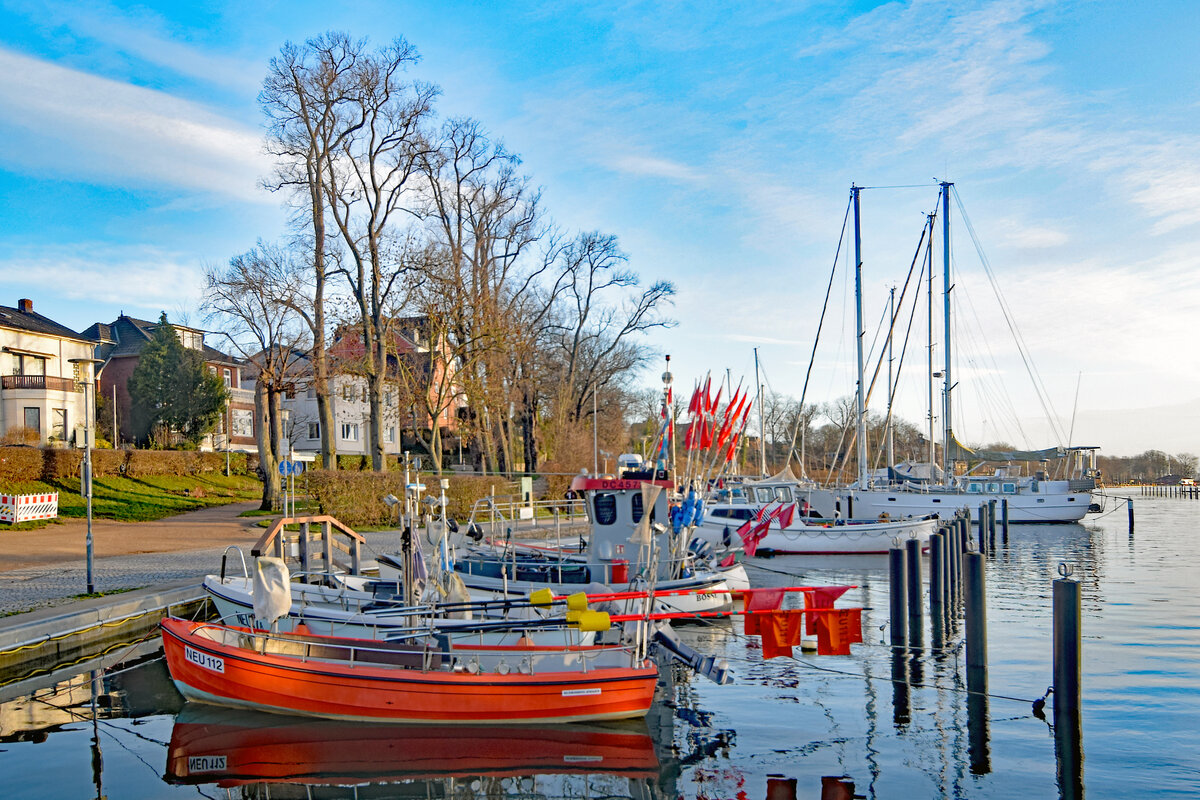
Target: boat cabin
[616,507]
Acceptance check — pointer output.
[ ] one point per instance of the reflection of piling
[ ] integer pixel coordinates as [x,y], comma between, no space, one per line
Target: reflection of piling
[977,718]
[781,788]
[1067,641]
[1004,519]
[1068,753]
[901,703]
[898,596]
[937,590]
[975,592]
[916,621]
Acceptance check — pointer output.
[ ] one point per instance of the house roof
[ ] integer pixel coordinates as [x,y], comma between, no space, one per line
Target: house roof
[128,335]
[34,322]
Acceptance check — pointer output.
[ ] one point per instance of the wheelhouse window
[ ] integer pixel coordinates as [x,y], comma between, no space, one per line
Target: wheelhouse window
[1010,488]
[637,506]
[605,506]
[974,488]
[783,494]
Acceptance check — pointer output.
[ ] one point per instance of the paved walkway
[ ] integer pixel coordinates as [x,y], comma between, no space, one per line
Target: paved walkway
[48,567]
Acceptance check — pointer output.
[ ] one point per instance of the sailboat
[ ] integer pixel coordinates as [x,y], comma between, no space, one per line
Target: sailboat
[904,491]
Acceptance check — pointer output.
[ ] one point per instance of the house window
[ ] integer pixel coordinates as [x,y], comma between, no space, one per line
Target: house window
[228,378]
[30,365]
[389,435]
[350,431]
[243,422]
[387,398]
[58,423]
[314,430]
[347,391]
[364,394]
[289,391]
[311,393]
[33,420]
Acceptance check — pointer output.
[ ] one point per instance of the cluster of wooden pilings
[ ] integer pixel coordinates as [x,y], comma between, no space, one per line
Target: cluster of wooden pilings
[957,600]
[1183,491]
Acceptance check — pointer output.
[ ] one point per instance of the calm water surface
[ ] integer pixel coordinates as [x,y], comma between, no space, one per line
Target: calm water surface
[807,727]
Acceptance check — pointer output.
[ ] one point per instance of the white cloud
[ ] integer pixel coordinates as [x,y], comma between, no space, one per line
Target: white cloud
[137,278]
[72,123]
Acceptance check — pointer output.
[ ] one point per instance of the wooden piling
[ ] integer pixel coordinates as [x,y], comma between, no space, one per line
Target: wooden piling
[916,613]
[937,589]
[983,528]
[898,596]
[1004,519]
[976,609]
[1129,502]
[1067,641]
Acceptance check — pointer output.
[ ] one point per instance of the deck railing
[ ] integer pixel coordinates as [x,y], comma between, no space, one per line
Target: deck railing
[40,382]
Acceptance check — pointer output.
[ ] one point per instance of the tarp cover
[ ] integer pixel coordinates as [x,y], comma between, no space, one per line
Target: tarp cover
[272,589]
[783,476]
[960,452]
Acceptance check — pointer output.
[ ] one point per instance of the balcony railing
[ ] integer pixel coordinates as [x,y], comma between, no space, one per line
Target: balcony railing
[40,382]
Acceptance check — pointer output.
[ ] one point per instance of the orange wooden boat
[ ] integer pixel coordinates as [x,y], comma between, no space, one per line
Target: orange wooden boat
[370,680]
[231,748]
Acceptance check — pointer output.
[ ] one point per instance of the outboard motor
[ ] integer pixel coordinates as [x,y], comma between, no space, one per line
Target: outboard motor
[700,549]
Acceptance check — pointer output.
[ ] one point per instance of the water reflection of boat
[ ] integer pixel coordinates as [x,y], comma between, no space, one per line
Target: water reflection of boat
[231,748]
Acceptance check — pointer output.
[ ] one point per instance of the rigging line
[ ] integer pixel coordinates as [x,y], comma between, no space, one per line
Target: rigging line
[891,329]
[899,186]
[1022,347]
[900,368]
[983,346]
[812,358]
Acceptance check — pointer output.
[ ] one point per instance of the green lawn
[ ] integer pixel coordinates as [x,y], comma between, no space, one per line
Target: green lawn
[141,499]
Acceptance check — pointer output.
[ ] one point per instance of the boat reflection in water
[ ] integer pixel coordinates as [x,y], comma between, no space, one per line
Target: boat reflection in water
[231,748]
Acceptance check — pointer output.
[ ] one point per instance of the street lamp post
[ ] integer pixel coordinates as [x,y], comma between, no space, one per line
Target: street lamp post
[85,482]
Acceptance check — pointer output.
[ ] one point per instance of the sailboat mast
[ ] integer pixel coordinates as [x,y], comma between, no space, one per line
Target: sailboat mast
[929,297]
[861,431]
[949,385]
[891,444]
[762,422]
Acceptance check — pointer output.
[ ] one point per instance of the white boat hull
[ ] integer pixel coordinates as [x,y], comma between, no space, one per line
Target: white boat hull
[1023,508]
[824,539]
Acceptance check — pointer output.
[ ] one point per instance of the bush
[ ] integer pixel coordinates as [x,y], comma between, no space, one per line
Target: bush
[465,490]
[21,435]
[19,465]
[106,463]
[159,462]
[356,498]
[61,465]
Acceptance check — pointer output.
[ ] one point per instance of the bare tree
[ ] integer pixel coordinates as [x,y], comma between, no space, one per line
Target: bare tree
[243,301]
[369,190]
[307,97]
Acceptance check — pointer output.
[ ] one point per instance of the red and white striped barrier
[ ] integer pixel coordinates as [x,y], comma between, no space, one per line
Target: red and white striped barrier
[16,508]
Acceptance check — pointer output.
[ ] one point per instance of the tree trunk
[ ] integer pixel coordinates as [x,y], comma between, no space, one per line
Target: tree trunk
[320,361]
[267,456]
[375,422]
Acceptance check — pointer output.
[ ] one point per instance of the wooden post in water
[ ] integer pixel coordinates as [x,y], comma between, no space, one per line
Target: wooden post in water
[983,528]
[898,596]
[1004,519]
[1067,641]
[916,622]
[1130,504]
[937,590]
[976,611]
[991,506]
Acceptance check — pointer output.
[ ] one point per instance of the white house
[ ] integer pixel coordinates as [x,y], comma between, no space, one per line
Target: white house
[41,387]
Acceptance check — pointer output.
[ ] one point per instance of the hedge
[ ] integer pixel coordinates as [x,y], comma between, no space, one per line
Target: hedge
[356,498]
[19,465]
[23,464]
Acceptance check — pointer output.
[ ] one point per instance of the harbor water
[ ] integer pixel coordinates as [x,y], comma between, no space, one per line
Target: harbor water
[873,724]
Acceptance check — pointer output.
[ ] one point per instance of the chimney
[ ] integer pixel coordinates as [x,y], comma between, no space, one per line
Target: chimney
[25,306]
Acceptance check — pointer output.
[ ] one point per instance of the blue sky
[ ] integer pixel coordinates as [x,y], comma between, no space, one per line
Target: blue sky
[718,142]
